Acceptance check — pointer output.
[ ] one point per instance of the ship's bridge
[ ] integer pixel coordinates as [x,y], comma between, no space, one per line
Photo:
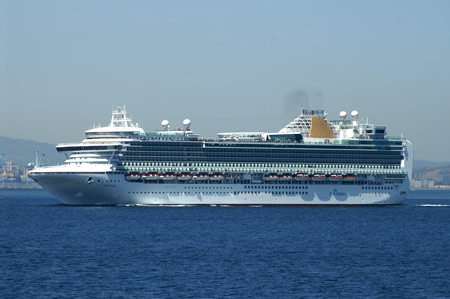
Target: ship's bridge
[121,126]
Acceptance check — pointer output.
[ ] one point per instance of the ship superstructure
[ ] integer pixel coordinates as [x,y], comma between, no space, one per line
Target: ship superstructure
[312,161]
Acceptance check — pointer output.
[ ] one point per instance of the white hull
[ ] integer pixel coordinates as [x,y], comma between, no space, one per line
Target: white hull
[113,189]
[258,169]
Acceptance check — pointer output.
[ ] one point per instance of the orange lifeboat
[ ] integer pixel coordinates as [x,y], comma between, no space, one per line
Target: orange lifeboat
[349,177]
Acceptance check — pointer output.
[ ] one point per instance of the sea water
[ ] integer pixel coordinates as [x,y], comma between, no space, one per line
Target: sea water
[52,250]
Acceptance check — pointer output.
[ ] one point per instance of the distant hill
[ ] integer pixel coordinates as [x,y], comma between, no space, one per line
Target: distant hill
[440,175]
[421,164]
[23,151]
[437,171]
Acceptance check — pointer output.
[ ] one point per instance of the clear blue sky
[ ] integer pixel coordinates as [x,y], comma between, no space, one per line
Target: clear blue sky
[226,65]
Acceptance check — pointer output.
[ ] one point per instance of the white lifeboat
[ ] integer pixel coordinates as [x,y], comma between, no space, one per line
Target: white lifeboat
[319,177]
[285,177]
[217,176]
[302,177]
[202,176]
[185,176]
[336,177]
[150,176]
[271,177]
[168,176]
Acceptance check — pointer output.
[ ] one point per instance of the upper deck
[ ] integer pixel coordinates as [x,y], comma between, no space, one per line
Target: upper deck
[310,128]
[309,142]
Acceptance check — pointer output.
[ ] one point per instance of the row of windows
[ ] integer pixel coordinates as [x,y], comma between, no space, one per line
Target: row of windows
[268,159]
[224,182]
[222,193]
[364,188]
[198,144]
[275,187]
[324,160]
[378,188]
[244,192]
[196,166]
[263,150]
[86,148]
[347,155]
[266,185]
[203,187]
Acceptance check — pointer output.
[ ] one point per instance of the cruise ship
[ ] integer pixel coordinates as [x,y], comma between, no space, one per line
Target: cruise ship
[311,161]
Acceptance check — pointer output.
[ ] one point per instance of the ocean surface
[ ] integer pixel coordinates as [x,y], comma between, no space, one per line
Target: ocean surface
[50,250]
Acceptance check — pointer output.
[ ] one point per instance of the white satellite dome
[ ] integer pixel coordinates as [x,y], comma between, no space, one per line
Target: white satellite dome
[355,114]
[343,114]
[186,123]
[165,123]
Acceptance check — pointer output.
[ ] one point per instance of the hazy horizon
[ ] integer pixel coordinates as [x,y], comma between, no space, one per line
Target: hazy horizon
[227,66]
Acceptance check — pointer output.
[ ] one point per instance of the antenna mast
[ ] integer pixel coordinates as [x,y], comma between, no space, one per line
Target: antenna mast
[36,163]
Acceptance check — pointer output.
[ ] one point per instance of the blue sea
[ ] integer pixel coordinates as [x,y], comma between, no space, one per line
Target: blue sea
[50,250]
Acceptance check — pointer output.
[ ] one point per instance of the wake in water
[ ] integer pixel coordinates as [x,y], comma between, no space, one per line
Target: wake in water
[432,205]
[152,205]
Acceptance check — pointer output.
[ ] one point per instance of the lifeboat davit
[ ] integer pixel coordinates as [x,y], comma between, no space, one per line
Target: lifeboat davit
[150,176]
[302,177]
[271,177]
[133,176]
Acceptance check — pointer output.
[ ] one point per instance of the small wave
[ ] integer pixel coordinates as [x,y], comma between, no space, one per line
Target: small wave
[175,206]
[154,205]
[432,205]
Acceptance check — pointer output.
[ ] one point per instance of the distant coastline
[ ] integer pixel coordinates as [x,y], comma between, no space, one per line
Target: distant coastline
[447,188]
[20,187]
